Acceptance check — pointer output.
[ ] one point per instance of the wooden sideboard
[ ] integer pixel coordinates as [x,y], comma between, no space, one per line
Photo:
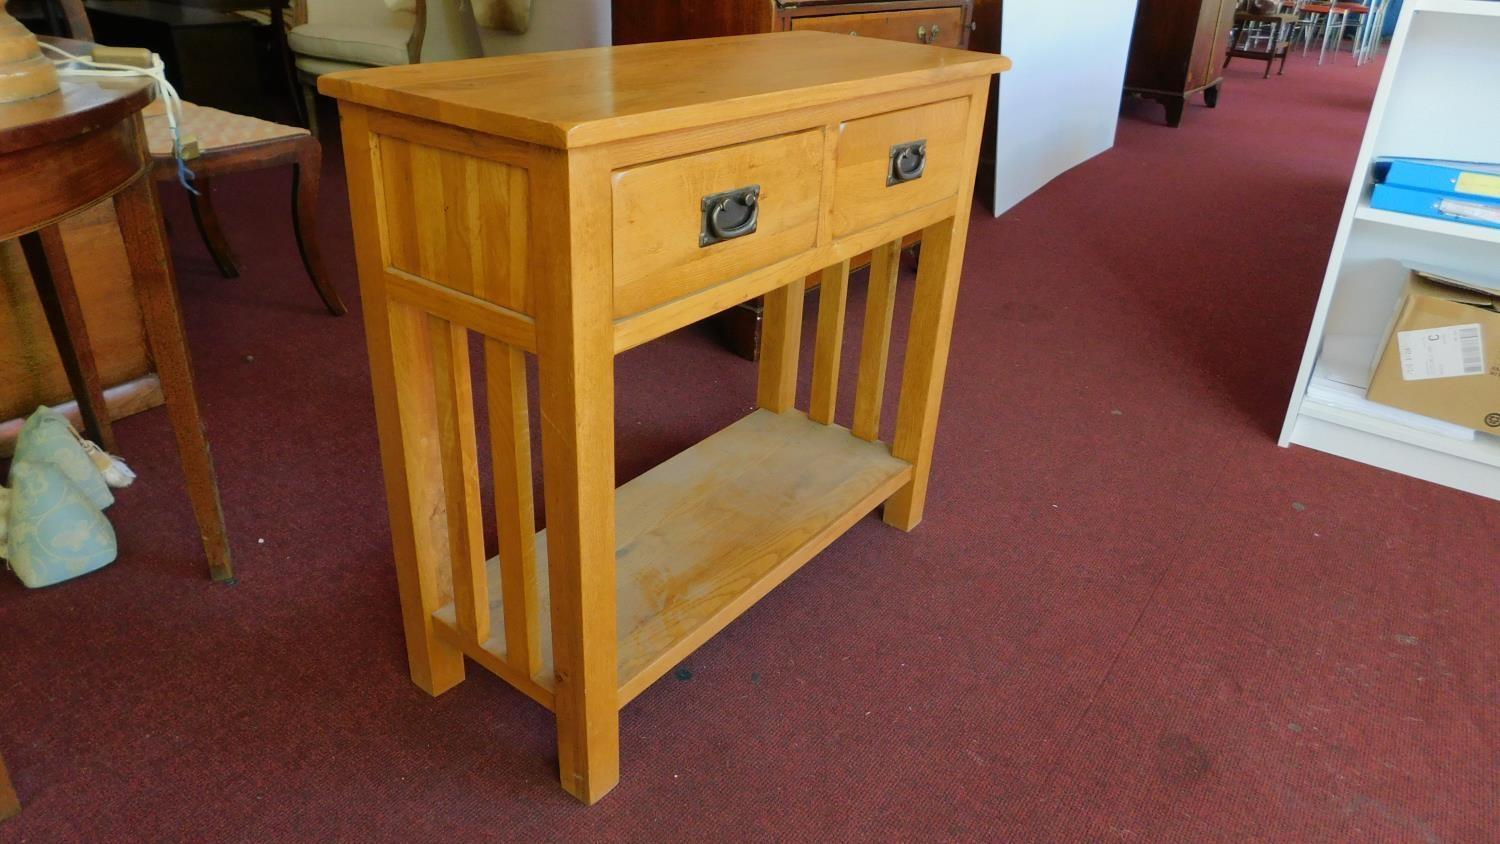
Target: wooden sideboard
[1178,50]
[575,205]
[946,23]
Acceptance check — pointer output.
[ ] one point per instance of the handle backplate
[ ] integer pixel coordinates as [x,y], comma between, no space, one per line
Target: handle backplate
[730,214]
[908,162]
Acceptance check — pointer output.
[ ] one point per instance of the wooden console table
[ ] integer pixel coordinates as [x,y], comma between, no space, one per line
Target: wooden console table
[575,205]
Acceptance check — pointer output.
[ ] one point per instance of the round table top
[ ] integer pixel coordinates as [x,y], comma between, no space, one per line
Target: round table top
[78,107]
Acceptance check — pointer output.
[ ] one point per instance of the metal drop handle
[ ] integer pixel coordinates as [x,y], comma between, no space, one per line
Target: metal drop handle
[728,215]
[908,162]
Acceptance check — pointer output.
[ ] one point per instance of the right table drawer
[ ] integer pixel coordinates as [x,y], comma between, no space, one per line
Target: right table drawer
[896,162]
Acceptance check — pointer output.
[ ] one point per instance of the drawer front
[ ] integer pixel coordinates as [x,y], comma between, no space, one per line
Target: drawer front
[864,191]
[661,217]
[943,27]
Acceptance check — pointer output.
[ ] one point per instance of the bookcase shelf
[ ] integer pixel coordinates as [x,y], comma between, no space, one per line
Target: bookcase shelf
[1430,225]
[1419,112]
[1483,8]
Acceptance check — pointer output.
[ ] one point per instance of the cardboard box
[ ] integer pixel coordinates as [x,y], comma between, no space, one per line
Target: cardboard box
[1442,354]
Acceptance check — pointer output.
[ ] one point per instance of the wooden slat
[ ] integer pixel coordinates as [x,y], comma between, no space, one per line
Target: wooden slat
[511,327]
[454,394]
[875,339]
[833,298]
[515,514]
[780,342]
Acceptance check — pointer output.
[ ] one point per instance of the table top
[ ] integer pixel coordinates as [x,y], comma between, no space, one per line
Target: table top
[581,97]
[79,106]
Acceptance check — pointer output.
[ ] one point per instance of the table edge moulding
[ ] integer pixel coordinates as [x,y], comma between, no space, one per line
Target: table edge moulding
[574,205]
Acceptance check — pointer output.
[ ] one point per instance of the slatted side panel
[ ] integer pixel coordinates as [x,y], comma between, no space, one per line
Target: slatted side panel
[781,342]
[446,410]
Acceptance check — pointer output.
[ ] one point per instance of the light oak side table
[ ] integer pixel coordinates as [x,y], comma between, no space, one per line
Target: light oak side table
[574,205]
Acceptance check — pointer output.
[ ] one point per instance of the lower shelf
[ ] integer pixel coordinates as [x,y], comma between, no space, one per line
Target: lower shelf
[1469,466]
[703,536]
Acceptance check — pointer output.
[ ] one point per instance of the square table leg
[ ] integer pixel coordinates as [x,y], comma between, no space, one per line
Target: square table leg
[575,372]
[9,803]
[933,302]
[145,238]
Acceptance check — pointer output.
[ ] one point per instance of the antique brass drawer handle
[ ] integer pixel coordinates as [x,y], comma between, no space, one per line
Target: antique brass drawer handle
[908,162]
[731,214]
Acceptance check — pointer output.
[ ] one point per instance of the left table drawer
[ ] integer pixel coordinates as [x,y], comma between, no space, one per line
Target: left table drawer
[686,223]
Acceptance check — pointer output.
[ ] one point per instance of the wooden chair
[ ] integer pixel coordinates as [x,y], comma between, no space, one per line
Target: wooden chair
[1276,31]
[334,35]
[231,143]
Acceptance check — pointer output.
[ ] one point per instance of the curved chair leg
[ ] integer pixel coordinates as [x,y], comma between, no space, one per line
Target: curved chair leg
[208,227]
[305,175]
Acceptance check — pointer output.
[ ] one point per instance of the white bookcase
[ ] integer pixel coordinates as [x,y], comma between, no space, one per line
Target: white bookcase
[1439,97]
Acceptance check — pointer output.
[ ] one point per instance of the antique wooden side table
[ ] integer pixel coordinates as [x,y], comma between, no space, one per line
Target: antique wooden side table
[574,205]
[62,153]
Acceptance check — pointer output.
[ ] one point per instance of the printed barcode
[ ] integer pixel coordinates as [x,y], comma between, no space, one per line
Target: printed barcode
[1472,348]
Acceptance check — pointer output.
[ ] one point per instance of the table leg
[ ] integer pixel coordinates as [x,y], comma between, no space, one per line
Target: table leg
[575,369]
[306,173]
[402,380]
[156,287]
[927,341]
[48,263]
[9,803]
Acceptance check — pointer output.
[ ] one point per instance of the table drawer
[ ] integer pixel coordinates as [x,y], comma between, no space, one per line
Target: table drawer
[674,234]
[943,26]
[867,187]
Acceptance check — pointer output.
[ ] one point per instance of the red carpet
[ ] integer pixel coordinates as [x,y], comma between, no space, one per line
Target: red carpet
[1128,616]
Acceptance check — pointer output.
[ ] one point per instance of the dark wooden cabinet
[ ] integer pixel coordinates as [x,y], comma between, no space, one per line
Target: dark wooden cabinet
[946,23]
[1178,50]
[942,22]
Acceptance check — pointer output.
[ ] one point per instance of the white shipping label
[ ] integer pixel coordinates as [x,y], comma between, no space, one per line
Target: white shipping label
[1446,352]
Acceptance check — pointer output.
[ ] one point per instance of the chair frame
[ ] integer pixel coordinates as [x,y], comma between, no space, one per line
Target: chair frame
[309,83]
[302,152]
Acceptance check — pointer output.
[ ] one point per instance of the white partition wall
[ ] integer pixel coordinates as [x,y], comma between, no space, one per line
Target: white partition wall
[1059,105]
